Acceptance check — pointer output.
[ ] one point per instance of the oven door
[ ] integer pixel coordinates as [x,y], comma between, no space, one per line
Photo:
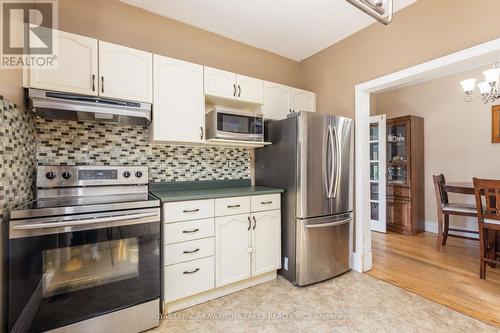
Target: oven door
[235,126]
[65,270]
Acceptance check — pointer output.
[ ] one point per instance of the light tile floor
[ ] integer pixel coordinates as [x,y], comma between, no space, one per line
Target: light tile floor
[352,302]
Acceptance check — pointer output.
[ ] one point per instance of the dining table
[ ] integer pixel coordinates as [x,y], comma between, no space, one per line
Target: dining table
[467,188]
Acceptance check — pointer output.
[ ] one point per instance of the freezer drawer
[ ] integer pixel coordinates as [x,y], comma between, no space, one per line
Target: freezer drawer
[322,248]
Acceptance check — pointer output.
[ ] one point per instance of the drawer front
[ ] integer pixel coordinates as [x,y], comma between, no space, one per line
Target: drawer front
[186,251]
[188,210]
[398,191]
[187,231]
[232,206]
[265,202]
[189,278]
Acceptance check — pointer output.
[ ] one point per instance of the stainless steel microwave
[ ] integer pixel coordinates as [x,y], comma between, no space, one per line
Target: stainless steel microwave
[234,124]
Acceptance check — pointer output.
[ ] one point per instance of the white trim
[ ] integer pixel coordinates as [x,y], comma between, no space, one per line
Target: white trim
[483,54]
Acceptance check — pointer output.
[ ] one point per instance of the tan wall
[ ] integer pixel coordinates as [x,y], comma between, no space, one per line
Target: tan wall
[116,22]
[457,134]
[421,32]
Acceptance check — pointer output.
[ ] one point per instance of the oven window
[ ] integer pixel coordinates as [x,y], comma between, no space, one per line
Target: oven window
[236,124]
[69,269]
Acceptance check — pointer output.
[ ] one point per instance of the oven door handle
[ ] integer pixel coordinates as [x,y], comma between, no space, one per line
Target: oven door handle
[81,222]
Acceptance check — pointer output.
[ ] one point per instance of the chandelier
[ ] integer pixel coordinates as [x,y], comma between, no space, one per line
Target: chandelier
[488,89]
[381,10]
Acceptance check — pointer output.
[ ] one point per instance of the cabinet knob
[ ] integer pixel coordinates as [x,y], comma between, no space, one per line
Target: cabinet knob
[201,133]
[239,90]
[234,90]
[102,84]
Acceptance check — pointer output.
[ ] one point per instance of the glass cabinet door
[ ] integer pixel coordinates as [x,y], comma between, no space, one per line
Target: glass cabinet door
[377,173]
[397,154]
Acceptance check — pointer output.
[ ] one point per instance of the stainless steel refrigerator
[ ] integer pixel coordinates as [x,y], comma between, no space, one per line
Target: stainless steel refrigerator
[311,157]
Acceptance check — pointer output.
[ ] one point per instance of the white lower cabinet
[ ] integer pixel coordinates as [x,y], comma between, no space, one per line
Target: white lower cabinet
[266,242]
[232,248]
[189,278]
[229,240]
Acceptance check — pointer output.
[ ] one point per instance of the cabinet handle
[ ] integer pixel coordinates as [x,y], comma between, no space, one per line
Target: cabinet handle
[254,222]
[191,210]
[234,90]
[201,133]
[190,231]
[233,206]
[249,223]
[289,110]
[102,84]
[266,202]
[191,251]
[239,90]
[191,272]
[93,82]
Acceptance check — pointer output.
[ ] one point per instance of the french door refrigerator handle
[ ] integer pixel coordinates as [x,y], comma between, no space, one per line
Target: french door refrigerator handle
[329,224]
[330,185]
[338,164]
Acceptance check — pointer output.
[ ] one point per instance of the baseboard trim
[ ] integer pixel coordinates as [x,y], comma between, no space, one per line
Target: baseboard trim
[431,226]
[217,292]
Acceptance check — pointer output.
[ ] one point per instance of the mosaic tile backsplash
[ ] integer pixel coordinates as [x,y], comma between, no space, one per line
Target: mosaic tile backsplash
[89,143]
[17,157]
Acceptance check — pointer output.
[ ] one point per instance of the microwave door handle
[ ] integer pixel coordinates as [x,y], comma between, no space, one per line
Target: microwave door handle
[72,223]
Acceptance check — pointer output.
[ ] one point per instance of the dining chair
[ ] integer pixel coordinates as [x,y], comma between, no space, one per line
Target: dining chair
[488,216]
[445,209]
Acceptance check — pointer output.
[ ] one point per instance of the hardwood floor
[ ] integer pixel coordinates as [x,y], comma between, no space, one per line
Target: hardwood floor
[449,277]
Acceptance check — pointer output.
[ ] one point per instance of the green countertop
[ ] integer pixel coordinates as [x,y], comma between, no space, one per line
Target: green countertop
[183,191]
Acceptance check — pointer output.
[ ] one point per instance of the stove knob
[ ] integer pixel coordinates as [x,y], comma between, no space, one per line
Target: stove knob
[138,174]
[50,175]
[66,175]
[126,174]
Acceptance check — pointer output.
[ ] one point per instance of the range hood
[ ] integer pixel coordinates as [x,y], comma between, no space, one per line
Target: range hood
[67,106]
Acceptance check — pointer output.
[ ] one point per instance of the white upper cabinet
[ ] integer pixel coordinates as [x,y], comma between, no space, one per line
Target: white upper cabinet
[232,249]
[125,73]
[76,70]
[277,101]
[281,100]
[250,89]
[179,104]
[220,83]
[266,238]
[303,100]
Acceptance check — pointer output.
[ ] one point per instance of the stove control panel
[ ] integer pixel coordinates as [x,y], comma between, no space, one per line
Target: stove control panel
[74,176]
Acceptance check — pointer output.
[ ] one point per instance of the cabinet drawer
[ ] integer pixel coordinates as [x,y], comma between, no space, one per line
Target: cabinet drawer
[398,191]
[189,230]
[188,210]
[186,251]
[189,278]
[265,202]
[232,206]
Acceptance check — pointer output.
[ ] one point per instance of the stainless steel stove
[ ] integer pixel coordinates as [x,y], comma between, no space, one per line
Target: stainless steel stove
[85,255]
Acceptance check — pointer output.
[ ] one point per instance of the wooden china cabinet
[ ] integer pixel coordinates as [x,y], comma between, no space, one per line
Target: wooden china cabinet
[405,175]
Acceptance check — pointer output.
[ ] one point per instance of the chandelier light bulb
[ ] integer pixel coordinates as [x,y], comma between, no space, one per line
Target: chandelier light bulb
[484,88]
[468,85]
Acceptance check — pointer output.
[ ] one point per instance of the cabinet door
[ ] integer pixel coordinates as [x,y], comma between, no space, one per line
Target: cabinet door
[276,101]
[250,89]
[399,213]
[303,100]
[220,83]
[266,241]
[76,70]
[232,249]
[179,104]
[125,73]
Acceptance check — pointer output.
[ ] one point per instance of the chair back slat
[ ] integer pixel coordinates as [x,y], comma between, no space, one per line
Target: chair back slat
[487,194]
[441,195]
